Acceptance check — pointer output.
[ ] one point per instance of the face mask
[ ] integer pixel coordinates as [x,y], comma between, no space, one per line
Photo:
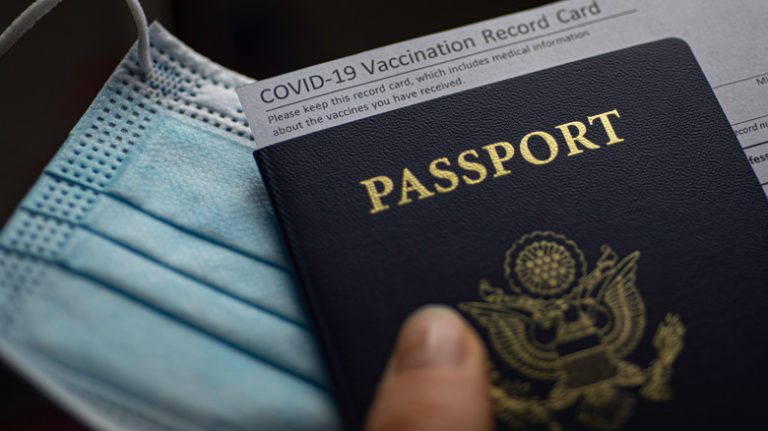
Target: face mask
[142,280]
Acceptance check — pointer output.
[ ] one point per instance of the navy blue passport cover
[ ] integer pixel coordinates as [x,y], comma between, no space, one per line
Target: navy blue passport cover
[619,280]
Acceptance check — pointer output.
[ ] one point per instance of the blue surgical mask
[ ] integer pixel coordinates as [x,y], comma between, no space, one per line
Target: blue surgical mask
[142,280]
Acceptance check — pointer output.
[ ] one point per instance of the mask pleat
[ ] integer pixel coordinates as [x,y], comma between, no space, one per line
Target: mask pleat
[230,321]
[99,335]
[98,404]
[211,264]
[172,176]
[229,205]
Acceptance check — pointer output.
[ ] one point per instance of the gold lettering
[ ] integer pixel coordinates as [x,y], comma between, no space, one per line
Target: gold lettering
[412,184]
[443,174]
[473,169]
[498,162]
[482,173]
[571,140]
[375,194]
[548,139]
[609,130]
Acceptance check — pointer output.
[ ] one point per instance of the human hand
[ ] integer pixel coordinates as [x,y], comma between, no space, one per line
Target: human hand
[436,379]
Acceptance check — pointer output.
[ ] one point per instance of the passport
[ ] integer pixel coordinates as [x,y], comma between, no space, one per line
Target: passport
[596,222]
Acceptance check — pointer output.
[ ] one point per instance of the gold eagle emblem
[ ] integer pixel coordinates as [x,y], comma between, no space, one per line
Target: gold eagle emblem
[569,331]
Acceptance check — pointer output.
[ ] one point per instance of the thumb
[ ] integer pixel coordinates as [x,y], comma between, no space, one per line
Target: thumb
[437,378]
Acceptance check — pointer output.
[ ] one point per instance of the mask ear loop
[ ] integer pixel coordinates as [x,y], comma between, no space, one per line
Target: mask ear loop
[40,8]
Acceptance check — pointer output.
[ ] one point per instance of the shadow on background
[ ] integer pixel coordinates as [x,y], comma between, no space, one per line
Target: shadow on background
[51,76]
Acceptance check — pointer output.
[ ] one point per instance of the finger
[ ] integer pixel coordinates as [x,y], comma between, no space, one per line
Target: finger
[437,378]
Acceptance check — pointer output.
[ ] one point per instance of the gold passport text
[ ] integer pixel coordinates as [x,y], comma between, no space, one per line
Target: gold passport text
[473,166]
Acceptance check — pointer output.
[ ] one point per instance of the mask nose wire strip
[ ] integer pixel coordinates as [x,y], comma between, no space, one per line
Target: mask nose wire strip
[40,8]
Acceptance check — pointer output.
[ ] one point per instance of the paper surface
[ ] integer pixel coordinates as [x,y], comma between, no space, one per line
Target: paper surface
[725,37]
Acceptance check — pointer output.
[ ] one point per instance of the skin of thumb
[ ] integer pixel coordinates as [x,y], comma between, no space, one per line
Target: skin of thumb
[437,377]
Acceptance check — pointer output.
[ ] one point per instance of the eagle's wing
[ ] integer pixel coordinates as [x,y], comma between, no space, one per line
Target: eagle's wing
[508,325]
[620,296]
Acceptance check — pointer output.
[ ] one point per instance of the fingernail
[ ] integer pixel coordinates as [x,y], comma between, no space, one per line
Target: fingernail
[434,336]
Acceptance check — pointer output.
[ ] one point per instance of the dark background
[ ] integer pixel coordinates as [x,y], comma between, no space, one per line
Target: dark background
[51,76]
